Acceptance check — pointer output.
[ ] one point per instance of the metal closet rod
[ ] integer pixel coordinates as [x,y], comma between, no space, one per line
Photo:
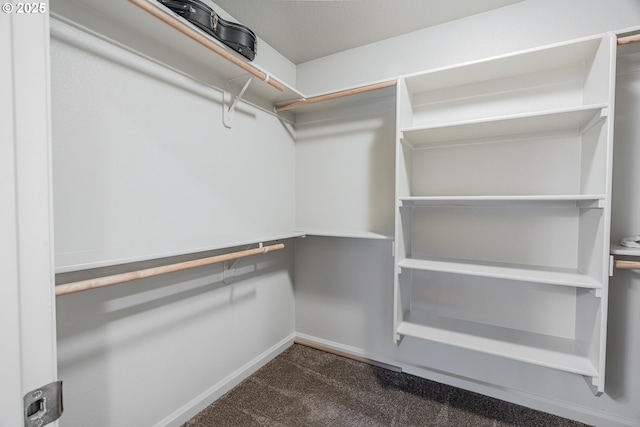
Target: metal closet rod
[206,42]
[83,285]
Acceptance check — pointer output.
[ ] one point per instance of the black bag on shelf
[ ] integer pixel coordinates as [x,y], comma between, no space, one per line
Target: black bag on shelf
[238,37]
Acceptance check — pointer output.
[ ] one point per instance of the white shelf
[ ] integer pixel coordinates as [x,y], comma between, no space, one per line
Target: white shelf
[538,349]
[617,249]
[355,234]
[83,260]
[534,274]
[361,94]
[571,200]
[547,122]
[561,55]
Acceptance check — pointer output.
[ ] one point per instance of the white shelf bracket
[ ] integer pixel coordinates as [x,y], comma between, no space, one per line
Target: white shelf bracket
[228,269]
[228,272]
[604,113]
[591,204]
[397,339]
[229,112]
[593,383]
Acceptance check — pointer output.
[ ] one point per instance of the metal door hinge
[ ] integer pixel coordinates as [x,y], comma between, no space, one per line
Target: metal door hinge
[43,405]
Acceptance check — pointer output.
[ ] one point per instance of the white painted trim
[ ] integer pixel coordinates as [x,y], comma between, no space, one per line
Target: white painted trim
[27,303]
[206,398]
[342,348]
[32,121]
[10,363]
[552,406]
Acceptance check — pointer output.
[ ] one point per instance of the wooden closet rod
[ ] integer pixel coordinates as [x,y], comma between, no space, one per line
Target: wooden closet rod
[334,95]
[206,42]
[99,282]
[634,38]
[627,265]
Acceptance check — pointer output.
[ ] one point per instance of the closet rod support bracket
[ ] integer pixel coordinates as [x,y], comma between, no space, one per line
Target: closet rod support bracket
[229,112]
[612,263]
[228,272]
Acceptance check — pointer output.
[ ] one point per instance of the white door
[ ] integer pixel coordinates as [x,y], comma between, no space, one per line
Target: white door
[27,300]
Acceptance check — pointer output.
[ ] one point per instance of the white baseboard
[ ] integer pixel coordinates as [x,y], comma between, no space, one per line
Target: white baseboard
[206,398]
[560,408]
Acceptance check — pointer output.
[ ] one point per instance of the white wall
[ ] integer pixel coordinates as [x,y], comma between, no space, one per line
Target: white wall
[142,165]
[343,303]
[345,169]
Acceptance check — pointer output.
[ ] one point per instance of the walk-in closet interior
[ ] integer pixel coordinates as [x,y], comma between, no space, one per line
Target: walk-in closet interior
[448,201]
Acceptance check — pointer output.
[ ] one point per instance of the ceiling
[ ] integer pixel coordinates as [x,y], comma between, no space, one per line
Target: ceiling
[304,30]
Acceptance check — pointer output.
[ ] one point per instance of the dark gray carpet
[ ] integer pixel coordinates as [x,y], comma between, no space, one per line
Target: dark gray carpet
[307,387]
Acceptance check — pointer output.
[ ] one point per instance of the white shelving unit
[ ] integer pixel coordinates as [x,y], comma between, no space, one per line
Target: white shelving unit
[503,180]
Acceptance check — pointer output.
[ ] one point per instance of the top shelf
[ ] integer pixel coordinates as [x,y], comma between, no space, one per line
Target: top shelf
[142,30]
[529,61]
[149,19]
[147,27]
